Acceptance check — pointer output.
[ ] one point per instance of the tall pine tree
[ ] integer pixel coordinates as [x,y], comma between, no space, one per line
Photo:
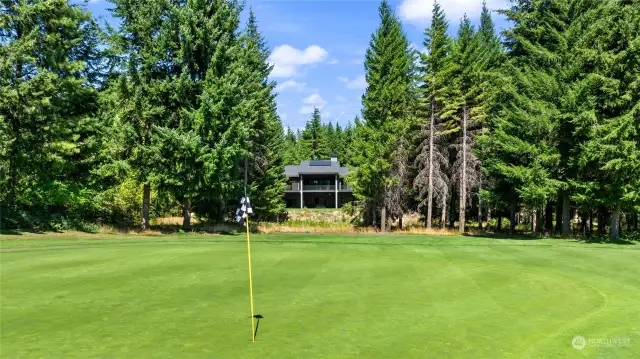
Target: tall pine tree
[267,147]
[314,139]
[386,109]
[432,161]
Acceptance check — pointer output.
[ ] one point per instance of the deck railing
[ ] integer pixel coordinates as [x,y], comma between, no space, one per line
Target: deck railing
[319,187]
[322,187]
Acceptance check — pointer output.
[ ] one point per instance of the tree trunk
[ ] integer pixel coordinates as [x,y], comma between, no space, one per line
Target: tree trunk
[430,194]
[583,223]
[534,221]
[383,219]
[489,219]
[559,213]
[548,220]
[480,209]
[566,214]
[374,214]
[590,222]
[499,222]
[512,218]
[602,219]
[452,214]
[463,177]
[146,200]
[615,223]
[400,221]
[186,214]
[540,220]
[443,218]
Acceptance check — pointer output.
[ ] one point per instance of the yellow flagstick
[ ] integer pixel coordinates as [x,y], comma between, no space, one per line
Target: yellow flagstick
[253,333]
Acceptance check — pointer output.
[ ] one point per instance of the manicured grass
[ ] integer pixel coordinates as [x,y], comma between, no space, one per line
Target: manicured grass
[322,296]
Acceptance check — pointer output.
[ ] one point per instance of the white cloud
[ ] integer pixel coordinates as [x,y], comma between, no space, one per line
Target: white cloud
[419,48]
[333,62]
[359,82]
[291,84]
[311,101]
[315,99]
[357,61]
[340,98]
[418,12]
[286,59]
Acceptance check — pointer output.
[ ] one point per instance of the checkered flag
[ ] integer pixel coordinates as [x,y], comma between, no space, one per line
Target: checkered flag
[243,210]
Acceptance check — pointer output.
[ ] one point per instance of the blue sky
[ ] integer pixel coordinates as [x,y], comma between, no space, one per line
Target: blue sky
[318,47]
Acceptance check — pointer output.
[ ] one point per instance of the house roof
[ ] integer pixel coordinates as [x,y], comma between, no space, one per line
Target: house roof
[315,167]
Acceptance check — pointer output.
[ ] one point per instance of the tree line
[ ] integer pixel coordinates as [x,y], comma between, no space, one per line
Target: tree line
[160,114]
[318,141]
[544,119]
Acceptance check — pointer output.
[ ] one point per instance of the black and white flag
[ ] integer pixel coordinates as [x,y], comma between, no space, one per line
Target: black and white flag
[243,210]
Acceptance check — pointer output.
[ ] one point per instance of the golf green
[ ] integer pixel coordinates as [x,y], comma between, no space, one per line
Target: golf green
[322,296]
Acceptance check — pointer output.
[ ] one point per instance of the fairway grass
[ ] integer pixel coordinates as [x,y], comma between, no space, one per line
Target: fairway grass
[322,296]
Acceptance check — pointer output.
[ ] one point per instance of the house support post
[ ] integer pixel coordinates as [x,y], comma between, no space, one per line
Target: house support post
[336,189]
[301,195]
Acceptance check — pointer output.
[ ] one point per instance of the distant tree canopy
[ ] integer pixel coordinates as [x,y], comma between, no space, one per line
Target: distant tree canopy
[161,114]
[318,141]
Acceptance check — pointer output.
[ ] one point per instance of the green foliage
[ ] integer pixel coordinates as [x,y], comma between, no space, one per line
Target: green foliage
[315,141]
[386,108]
[267,142]
[178,97]
[47,107]
[521,147]
[607,94]
[323,139]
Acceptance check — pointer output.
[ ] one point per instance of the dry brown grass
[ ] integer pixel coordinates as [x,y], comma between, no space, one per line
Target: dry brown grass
[346,228]
[299,222]
[172,220]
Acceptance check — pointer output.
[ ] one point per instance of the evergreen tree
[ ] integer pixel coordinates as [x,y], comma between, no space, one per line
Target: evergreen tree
[490,53]
[349,150]
[291,154]
[468,108]
[338,146]
[520,149]
[607,117]
[432,161]
[47,111]
[314,138]
[267,175]
[136,101]
[329,133]
[226,116]
[386,109]
[488,60]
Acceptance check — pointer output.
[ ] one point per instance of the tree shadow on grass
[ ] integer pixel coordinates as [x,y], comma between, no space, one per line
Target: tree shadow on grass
[20,232]
[627,240]
[176,229]
[517,236]
[607,240]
